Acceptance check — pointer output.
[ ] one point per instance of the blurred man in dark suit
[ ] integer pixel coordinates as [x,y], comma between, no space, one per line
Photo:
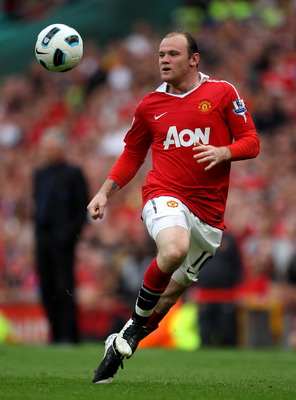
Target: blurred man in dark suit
[61,197]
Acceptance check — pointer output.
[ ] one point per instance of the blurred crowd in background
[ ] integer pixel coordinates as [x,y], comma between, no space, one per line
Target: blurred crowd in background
[94,105]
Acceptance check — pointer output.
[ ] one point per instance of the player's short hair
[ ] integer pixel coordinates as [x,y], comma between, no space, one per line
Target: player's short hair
[192,45]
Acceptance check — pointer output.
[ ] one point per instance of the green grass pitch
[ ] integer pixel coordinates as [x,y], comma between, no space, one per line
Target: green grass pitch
[65,373]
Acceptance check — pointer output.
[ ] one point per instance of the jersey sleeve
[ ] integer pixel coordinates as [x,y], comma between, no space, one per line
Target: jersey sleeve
[137,143]
[246,143]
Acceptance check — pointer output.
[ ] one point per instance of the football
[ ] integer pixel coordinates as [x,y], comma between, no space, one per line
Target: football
[59,48]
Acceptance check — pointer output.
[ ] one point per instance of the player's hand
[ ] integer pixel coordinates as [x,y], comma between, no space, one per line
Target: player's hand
[97,205]
[211,154]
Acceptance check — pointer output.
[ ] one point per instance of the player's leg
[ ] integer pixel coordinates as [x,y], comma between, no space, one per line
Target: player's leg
[167,225]
[172,248]
[147,299]
[204,241]
[172,244]
[169,298]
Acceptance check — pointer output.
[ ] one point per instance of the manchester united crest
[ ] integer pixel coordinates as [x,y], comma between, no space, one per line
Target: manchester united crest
[205,106]
[172,203]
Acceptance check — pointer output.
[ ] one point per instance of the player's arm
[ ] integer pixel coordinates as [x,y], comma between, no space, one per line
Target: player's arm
[245,146]
[122,172]
[246,143]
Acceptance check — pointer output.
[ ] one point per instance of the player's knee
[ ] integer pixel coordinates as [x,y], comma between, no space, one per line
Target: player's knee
[172,257]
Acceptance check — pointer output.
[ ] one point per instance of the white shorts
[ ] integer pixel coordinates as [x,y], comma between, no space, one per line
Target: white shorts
[166,211]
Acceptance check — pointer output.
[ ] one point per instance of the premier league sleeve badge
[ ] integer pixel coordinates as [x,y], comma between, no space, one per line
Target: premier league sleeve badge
[239,107]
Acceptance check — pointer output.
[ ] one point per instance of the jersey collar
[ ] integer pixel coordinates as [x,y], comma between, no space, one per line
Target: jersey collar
[163,87]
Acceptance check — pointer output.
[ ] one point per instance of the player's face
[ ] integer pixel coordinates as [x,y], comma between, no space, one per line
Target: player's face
[174,63]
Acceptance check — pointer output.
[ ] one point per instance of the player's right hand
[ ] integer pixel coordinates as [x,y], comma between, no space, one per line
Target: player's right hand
[97,205]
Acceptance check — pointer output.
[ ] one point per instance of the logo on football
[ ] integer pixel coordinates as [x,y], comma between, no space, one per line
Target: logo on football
[59,48]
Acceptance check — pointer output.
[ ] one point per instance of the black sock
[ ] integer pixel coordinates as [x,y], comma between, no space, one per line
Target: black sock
[145,304]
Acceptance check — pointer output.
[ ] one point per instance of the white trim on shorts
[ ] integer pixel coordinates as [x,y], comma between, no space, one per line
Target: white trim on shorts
[167,211]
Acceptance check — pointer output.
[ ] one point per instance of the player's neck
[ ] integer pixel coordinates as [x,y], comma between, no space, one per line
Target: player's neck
[183,87]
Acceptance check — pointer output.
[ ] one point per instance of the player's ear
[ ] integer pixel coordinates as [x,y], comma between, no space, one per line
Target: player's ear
[195,59]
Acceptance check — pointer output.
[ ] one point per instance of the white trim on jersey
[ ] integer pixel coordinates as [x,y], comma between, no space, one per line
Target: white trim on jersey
[163,87]
[237,110]
[220,81]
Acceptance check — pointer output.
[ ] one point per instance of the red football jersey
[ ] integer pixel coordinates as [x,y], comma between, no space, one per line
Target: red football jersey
[213,113]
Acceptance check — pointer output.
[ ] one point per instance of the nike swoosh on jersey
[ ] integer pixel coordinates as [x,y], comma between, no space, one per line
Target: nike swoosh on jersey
[158,116]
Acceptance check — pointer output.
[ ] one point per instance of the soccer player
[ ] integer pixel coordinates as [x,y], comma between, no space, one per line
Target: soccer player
[196,127]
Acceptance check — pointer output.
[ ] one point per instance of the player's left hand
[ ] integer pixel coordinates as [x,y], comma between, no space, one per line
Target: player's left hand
[211,154]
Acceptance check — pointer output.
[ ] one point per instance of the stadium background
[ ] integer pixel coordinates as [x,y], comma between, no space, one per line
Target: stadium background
[249,43]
